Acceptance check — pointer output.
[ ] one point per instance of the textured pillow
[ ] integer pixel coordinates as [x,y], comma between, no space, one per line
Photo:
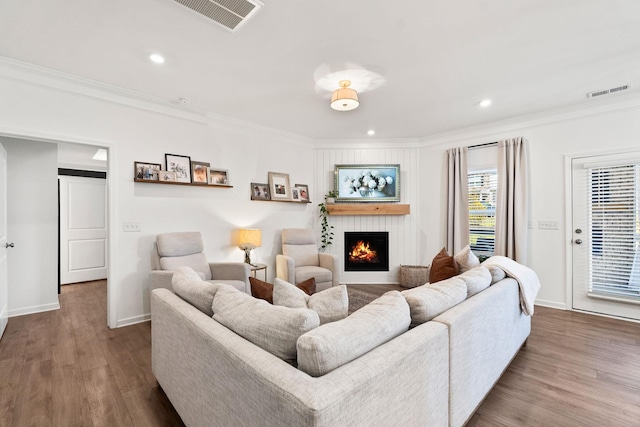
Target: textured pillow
[466,259]
[430,300]
[497,273]
[274,329]
[443,266]
[477,279]
[264,290]
[189,286]
[331,304]
[334,344]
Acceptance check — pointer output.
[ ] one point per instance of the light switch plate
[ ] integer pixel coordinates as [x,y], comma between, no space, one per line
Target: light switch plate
[548,225]
[132,227]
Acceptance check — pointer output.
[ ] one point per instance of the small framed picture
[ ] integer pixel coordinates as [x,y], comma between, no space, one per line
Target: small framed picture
[146,171]
[166,176]
[218,177]
[260,191]
[181,165]
[199,172]
[279,186]
[295,194]
[303,191]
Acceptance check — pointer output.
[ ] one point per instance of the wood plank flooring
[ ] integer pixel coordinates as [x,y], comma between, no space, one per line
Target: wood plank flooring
[66,368]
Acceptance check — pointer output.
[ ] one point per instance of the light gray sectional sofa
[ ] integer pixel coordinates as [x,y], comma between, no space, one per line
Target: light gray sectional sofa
[434,374]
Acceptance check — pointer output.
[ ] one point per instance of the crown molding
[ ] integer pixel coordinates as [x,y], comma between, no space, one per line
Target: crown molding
[355,143]
[589,108]
[36,76]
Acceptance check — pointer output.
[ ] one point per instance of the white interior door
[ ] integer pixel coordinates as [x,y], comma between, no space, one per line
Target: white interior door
[83,229]
[4,287]
[606,234]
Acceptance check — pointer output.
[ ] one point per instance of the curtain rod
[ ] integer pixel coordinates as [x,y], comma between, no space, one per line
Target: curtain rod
[487,144]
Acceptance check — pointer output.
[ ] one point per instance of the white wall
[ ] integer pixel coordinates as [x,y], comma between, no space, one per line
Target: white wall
[32,224]
[145,131]
[602,128]
[406,238]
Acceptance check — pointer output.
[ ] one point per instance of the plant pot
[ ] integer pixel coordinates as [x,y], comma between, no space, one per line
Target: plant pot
[330,200]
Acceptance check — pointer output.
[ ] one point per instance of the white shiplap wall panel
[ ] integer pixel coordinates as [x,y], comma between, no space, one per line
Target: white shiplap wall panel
[405,236]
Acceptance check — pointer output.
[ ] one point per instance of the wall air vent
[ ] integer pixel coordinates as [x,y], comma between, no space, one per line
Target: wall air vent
[231,14]
[606,91]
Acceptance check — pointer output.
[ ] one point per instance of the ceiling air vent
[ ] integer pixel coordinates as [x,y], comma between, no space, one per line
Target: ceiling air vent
[606,91]
[231,14]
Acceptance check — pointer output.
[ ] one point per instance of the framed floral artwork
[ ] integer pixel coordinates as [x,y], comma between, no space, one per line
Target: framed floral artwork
[367,183]
[181,165]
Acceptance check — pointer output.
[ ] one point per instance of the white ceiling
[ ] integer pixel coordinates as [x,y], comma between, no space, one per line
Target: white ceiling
[437,58]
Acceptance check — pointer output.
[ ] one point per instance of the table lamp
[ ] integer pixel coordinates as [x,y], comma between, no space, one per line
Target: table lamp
[249,238]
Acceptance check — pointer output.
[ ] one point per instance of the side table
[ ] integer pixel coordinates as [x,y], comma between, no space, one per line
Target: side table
[258,267]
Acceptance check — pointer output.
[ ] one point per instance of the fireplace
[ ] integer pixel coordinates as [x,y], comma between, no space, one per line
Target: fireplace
[366,251]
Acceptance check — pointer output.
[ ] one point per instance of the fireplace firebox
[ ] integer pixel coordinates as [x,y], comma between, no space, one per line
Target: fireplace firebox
[366,251]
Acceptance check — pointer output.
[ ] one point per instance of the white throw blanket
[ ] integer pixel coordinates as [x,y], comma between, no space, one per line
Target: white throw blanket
[527,280]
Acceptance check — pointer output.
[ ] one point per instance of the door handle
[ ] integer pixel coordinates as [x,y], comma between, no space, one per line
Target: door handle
[578,241]
[9,245]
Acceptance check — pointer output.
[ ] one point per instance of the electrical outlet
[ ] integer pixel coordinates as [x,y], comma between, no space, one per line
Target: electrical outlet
[548,225]
[530,225]
[132,227]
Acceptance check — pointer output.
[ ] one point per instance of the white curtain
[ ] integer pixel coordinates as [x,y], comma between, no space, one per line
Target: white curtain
[457,200]
[512,205]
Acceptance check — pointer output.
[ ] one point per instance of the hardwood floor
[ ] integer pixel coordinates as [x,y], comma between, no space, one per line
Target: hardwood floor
[66,368]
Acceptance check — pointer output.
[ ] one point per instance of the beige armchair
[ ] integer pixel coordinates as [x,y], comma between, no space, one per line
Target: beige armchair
[185,249]
[300,260]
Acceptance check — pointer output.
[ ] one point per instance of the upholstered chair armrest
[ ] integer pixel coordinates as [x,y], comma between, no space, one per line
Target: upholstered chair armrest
[330,262]
[161,279]
[230,270]
[285,268]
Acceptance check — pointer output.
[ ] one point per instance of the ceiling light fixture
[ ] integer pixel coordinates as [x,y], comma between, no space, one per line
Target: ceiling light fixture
[485,102]
[156,58]
[345,98]
[371,132]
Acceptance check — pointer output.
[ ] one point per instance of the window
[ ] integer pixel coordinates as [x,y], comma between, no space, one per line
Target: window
[614,219]
[483,186]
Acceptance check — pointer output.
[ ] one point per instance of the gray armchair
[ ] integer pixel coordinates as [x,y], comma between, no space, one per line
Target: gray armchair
[301,260]
[185,249]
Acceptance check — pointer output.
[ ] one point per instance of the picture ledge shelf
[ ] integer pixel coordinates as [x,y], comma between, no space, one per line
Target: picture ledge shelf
[193,184]
[368,209]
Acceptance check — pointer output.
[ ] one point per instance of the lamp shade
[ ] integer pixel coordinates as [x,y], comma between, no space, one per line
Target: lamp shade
[345,98]
[250,236]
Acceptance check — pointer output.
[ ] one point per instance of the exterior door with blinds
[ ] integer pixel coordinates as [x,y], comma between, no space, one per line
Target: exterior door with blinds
[606,235]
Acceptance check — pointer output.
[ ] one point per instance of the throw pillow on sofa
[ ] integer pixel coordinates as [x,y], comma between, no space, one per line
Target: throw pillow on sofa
[430,300]
[273,328]
[497,273]
[189,286]
[443,267]
[331,304]
[264,290]
[331,345]
[477,279]
[466,259]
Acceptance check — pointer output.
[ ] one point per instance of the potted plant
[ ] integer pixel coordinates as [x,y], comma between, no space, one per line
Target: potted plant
[326,233]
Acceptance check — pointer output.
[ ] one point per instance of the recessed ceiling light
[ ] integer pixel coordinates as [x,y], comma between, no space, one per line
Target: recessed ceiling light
[156,58]
[371,132]
[485,102]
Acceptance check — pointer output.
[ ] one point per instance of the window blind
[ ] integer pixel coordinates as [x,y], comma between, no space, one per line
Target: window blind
[614,220]
[483,187]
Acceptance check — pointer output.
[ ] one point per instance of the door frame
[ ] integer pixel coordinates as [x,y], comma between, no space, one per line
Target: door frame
[568,184]
[112,244]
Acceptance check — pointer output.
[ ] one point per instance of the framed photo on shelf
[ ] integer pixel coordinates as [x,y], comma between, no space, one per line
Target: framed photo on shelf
[199,172]
[166,176]
[146,171]
[181,165]
[279,186]
[218,177]
[303,190]
[367,183]
[260,191]
[295,194]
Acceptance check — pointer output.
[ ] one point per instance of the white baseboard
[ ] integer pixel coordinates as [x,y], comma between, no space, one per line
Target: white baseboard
[34,309]
[552,304]
[133,320]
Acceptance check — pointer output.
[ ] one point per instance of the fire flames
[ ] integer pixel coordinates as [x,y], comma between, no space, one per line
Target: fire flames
[361,252]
